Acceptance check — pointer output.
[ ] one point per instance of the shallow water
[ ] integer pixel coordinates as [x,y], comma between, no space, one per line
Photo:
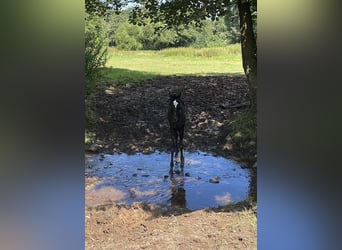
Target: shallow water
[206,181]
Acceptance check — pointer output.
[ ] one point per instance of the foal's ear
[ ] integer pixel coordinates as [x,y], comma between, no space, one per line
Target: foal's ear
[179,94]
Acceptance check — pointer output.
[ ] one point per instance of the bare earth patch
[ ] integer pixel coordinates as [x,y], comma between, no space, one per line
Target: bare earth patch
[143,226]
[133,119]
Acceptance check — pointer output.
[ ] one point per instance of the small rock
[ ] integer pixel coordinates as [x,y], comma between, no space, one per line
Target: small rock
[187,174]
[134,175]
[145,175]
[238,135]
[228,138]
[93,148]
[215,179]
[228,146]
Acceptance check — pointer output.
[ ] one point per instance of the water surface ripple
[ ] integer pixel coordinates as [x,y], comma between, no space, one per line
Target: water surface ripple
[207,181]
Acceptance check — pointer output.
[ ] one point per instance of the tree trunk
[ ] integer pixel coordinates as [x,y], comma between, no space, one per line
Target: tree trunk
[248,49]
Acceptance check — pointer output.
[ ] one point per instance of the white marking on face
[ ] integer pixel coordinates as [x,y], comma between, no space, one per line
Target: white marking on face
[175,103]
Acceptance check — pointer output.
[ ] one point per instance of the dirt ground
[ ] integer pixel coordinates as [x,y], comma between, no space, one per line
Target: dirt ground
[145,226]
[132,119]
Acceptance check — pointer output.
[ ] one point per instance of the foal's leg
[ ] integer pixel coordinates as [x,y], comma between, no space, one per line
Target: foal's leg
[181,135]
[173,143]
[176,146]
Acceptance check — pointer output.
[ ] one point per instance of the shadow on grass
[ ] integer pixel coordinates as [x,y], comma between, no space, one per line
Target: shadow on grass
[211,74]
[126,77]
[118,76]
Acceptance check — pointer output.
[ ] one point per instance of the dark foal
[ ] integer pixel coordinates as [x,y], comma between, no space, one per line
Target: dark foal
[176,117]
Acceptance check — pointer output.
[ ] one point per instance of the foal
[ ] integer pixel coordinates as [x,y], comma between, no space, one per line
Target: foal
[176,117]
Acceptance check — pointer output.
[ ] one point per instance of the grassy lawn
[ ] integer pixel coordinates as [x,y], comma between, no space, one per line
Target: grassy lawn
[181,61]
[129,67]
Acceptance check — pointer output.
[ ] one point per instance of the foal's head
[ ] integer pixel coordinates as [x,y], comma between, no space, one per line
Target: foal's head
[176,106]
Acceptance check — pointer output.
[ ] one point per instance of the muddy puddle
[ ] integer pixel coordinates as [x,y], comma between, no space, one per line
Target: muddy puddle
[206,181]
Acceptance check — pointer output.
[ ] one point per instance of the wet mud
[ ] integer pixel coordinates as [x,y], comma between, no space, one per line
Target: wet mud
[133,119]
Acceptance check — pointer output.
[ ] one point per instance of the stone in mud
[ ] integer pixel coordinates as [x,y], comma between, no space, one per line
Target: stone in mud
[93,148]
[215,179]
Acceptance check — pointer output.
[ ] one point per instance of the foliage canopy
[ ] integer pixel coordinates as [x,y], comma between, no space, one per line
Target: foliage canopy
[124,35]
[95,46]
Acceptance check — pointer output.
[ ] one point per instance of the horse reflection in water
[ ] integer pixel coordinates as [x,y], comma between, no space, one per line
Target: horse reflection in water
[178,198]
[176,117]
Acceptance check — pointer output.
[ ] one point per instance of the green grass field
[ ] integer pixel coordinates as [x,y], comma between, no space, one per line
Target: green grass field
[129,67]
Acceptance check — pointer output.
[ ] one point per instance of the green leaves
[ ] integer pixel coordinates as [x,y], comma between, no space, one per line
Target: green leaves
[100,7]
[96,44]
[128,36]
